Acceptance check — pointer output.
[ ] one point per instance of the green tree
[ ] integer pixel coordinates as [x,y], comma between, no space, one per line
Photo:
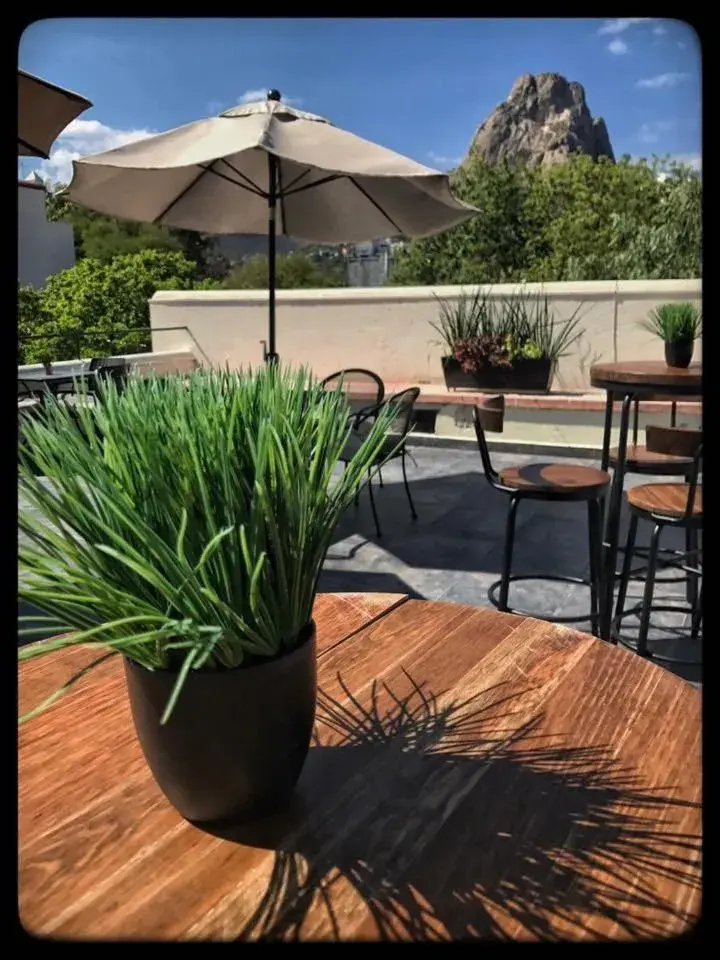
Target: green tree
[580,220]
[100,237]
[108,298]
[293,271]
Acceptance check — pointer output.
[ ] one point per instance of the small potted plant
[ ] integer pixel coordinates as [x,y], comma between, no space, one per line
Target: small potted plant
[678,325]
[181,525]
[511,344]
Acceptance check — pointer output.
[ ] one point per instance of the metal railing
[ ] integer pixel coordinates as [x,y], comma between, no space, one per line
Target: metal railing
[113,337]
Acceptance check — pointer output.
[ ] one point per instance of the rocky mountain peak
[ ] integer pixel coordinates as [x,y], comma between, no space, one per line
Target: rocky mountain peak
[544,120]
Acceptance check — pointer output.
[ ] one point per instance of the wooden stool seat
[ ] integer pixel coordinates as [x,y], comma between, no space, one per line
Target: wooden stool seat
[664,499]
[638,459]
[560,479]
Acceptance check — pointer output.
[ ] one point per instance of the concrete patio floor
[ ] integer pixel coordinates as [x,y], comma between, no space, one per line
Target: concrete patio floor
[453,552]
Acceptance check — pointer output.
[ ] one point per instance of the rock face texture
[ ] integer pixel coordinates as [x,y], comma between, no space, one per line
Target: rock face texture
[543,121]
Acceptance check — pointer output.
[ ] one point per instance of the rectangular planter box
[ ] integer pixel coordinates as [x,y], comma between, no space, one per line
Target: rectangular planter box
[525,376]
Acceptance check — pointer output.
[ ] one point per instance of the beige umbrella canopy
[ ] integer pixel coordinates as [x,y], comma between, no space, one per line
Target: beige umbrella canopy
[44,111]
[266,168]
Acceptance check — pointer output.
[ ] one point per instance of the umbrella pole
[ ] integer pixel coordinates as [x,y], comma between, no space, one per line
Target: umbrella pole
[270,355]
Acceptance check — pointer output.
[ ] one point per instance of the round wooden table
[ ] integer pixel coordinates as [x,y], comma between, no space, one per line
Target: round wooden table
[475,775]
[625,382]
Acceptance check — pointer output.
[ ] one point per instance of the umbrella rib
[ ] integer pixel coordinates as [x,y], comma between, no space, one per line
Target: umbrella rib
[374,202]
[297,179]
[178,198]
[235,183]
[315,183]
[253,186]
[35,151]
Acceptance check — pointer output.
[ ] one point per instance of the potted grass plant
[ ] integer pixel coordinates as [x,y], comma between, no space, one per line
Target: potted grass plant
[511,344]
[679,325]
[181,525]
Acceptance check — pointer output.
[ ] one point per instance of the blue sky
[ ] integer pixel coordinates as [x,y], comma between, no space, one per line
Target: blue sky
[418,86]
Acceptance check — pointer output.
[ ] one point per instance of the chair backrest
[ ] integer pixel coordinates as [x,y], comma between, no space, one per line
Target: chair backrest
[116,368]
[488,415]
[404,404]
[672,441]
[357,383]
[108,363]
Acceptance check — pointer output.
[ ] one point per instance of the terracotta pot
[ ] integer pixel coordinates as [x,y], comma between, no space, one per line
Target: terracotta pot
[678,353]
[236,741]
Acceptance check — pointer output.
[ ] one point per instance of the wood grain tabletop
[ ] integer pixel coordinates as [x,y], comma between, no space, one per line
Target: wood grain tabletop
[647,374]
[474,775]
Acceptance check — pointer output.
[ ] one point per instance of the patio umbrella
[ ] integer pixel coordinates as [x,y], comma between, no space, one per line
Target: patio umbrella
[267,168]
[44,111]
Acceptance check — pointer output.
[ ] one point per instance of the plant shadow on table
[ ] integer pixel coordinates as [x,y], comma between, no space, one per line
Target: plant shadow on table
[420,811]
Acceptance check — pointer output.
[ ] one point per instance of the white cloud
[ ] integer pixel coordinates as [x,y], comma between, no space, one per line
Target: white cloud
[82,138]
[618,47]
[443,162]
[621,24]
[663,80]
[652,132]
[659,30]
[252,96]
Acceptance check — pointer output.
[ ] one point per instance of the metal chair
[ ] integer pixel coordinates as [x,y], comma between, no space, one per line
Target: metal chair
[664,504]
[554,482]
[395,444]
[116,368]
[364,382]
[357,378]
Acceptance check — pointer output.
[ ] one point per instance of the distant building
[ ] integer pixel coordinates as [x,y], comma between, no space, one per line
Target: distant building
[43,248]
[368,264]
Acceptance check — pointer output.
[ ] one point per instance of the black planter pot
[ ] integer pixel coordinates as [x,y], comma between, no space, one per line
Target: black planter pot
[678,353]
[236,741]
[533,376]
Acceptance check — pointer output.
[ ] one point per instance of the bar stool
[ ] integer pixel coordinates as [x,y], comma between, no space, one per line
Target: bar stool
[664,504]
[554,482]
[664,454]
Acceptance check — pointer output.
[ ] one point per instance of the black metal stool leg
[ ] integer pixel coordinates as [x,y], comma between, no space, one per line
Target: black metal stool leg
[507,553]
[413,512]
[372,504]
[691,559]
[595,515]
[649,590]
[627,565]
[696,618]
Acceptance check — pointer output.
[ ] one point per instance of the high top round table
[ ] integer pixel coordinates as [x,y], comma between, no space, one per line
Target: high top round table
[474,775]
[625,382]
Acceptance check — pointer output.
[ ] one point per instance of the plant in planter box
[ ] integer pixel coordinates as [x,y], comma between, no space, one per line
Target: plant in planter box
[514,343]
[182,524]
[461,323]
[678,325]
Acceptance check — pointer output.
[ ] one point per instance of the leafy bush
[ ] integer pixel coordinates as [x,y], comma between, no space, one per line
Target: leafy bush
[579,220]
[106,298]
[480,331]
[185,521]
[293,271]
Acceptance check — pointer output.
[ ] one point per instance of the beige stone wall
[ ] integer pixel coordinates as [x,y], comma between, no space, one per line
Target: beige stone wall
[388,329]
